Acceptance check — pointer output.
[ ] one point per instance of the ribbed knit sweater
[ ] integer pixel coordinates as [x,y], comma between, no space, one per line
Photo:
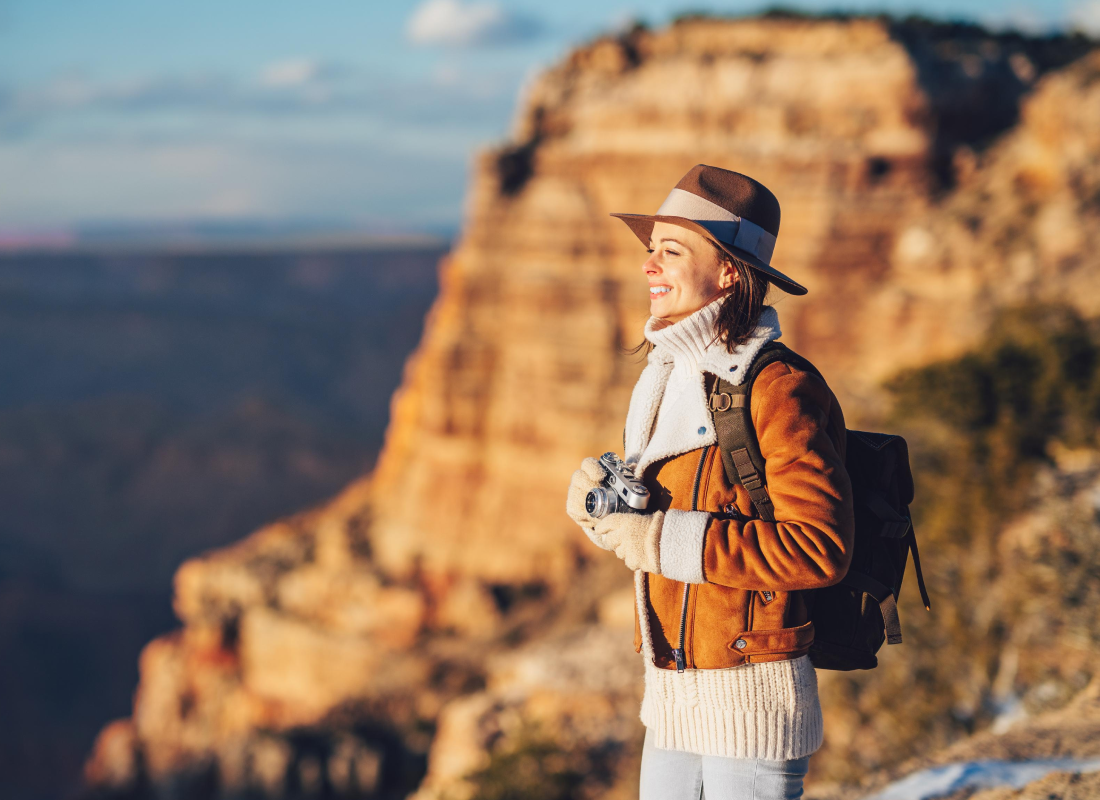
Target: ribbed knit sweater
[770,710]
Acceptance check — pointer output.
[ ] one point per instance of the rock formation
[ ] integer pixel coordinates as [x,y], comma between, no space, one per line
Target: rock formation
[449,588]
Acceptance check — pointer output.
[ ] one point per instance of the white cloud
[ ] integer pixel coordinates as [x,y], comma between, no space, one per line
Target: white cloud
[291,73]
[292,138]
[1085,17]
[68,186]
[453,23]
[298,89]
[230,201]
[623,21]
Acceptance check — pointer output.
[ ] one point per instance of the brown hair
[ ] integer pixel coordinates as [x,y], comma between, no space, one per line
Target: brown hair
[739,313]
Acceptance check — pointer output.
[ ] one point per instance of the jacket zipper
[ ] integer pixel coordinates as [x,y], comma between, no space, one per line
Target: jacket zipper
[679,652]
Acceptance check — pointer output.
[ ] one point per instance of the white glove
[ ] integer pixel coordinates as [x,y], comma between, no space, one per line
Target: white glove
[585,479]
[635,538]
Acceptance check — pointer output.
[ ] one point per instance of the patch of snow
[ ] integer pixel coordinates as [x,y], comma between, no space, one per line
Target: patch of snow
[1010,710]
[939,781]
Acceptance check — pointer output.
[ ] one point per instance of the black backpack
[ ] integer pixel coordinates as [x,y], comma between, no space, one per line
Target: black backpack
[854,617]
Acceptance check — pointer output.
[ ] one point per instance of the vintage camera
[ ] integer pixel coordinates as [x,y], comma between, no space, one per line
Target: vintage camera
[621,491]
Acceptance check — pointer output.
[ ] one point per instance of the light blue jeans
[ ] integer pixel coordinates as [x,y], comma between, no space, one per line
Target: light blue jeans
[676,775]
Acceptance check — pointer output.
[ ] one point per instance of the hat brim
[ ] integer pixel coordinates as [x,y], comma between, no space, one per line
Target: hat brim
[642,225]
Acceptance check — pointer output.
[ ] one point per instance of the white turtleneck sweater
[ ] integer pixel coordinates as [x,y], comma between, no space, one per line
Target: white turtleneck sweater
[770,710]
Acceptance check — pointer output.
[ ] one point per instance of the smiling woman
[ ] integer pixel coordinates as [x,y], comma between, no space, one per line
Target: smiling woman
[721,566]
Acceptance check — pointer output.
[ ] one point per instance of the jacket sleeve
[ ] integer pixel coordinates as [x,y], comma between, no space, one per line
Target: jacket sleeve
[800,429]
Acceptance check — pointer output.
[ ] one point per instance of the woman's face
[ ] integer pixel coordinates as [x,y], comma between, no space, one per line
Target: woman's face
[685,272]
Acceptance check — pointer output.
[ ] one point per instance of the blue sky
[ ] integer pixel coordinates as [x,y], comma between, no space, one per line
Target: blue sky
[332,113]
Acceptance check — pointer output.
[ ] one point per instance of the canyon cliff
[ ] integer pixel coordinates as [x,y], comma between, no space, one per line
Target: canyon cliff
[929,176]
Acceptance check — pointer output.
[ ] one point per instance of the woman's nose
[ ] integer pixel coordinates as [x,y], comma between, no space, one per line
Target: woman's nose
[650,266]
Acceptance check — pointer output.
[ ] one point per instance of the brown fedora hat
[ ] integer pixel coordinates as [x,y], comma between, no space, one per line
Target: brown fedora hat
[735,212]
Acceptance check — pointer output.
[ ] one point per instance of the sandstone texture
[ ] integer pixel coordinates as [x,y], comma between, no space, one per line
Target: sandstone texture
[928,175]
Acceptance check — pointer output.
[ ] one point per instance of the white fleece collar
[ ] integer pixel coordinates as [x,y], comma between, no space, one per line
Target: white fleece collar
[672,383]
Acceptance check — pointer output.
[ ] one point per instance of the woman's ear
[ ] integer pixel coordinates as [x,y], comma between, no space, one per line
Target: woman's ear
[728,276]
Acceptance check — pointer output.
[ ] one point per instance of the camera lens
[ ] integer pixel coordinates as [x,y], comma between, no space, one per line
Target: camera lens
[600,502]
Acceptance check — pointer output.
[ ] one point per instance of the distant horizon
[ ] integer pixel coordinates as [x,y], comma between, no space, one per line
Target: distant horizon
[204,235]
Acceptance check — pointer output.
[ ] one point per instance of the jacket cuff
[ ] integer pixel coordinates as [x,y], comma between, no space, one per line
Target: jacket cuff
[682,539]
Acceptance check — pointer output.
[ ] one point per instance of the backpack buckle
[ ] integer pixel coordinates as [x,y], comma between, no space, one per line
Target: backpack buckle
[892,529]
[724,401]
[721,401]
[894,525]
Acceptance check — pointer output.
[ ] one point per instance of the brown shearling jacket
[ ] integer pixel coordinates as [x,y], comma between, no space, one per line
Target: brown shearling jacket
[752,606]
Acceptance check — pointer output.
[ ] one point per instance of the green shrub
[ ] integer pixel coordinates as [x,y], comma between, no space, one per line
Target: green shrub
[986,419]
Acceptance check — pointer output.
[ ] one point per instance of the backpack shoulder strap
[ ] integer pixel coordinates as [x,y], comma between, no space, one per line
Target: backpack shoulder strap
[730,405]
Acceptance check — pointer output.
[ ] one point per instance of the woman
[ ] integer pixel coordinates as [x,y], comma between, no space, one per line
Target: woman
[731,706]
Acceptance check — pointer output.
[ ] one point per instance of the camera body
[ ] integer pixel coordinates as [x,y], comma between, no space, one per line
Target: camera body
[620,492]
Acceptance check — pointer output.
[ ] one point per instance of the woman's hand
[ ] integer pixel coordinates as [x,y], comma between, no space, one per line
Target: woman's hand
[585,479]
[635,538]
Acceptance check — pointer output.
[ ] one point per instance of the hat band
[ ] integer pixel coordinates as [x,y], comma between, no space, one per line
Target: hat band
[725,226]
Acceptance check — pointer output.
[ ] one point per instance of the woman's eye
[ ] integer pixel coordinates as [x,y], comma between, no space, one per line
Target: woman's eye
[649,249]
[672,252]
